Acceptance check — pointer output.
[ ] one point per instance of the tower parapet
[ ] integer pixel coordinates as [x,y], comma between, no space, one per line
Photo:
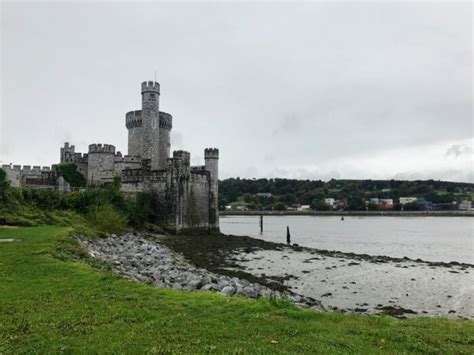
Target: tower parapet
[151,86]
[166,121]
[133,119]
[211,153]
[184,156]
[99,148]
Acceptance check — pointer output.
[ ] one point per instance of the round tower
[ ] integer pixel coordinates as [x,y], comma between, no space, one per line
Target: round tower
[211,158]
[133,122]
[164,145]
[150,122]
[100,164]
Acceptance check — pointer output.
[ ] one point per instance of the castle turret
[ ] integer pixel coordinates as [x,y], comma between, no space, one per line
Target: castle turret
[211,158]
[101,161]
[164,144]
[67,153]
[133,122]
[150,123]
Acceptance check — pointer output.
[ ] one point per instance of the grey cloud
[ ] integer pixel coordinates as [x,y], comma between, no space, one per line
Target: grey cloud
[310,83]
[457,150]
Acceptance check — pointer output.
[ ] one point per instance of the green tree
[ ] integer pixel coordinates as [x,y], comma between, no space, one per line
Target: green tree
[319,205]
[279,206]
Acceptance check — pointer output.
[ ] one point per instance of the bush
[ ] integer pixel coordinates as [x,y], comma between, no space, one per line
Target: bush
[107,219]
[71,174]
[279,206]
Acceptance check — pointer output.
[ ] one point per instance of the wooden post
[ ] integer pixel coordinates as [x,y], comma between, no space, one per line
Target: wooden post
[261,223]
[288,236]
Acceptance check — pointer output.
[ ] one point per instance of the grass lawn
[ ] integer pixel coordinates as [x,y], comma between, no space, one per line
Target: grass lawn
[51,305]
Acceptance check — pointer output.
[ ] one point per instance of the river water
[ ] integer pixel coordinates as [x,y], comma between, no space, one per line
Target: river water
[429,238]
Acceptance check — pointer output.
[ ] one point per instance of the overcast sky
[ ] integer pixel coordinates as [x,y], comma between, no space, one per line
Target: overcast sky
[309,90]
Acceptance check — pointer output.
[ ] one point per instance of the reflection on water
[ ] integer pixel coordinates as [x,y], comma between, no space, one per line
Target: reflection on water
[428,238]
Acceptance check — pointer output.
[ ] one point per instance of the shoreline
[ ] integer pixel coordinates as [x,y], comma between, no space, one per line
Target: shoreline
[347,282]
[352,213]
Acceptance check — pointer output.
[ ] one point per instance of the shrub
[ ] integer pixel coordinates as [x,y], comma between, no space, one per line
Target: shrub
[279,206]
[71,174]
[107,219]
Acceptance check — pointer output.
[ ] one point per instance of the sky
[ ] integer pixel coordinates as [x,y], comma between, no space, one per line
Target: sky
[310,90]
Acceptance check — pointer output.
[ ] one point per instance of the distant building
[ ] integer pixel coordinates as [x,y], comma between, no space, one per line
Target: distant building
[374,201]
[304,208]
[405,200]
[386,203]
[264,194]
[465,205]
[329,201]
[426,205]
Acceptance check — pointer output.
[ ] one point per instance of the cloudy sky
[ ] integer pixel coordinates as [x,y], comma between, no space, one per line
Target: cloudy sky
[310,90]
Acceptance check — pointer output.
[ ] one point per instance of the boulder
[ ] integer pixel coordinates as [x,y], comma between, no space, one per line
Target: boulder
[228,290]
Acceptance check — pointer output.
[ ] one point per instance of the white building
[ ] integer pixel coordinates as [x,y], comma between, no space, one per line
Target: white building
[465,205]
[329,201]
[405,200]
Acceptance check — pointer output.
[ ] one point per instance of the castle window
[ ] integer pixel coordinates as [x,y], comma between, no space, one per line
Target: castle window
[152,97]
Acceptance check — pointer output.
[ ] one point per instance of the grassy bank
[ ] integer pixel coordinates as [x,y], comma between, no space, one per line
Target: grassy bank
[51,303]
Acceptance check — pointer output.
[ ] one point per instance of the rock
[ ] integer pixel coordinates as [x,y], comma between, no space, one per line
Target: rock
[249,292]
[228,290]
[209,287]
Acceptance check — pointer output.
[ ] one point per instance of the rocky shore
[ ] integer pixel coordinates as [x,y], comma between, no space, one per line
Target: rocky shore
[309,278]
[148,260]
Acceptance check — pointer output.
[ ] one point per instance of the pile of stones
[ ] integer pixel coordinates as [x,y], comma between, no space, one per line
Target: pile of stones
[148,261]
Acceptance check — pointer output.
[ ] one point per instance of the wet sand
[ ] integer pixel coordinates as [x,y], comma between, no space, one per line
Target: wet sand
[405,288]
[347,282]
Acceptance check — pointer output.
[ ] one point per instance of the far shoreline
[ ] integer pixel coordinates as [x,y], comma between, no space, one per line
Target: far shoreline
[352,213]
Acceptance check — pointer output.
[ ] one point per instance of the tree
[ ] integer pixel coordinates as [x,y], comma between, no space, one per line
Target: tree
[319,205]
[279,206]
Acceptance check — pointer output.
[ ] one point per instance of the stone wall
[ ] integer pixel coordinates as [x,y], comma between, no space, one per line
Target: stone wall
[28,176]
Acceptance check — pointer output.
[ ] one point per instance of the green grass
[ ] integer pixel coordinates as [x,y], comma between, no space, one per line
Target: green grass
[51,303]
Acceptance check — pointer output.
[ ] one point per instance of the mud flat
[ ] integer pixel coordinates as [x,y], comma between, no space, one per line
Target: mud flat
[346,282]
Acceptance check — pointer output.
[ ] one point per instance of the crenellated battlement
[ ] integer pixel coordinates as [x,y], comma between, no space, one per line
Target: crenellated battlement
[26,169]
[211,153]
[99,148]
[128,159]
[166,121]
[183,155]
[133,119]
[151,86]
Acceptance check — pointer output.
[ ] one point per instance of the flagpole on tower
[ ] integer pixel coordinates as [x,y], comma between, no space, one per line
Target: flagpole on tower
[155,76]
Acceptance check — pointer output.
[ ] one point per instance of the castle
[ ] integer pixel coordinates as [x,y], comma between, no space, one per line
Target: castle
[188,194]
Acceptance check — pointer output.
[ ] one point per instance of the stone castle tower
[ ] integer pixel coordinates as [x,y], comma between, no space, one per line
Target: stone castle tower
[149,129]
[188,195]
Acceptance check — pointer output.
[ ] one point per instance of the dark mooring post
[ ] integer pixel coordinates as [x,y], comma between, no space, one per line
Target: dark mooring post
[261,223]
[288,236]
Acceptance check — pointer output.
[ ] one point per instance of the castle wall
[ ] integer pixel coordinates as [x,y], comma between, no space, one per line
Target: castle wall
[126,162]
[27,176]
[13,174]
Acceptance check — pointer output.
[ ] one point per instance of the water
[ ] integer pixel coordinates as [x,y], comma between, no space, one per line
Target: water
[429,238]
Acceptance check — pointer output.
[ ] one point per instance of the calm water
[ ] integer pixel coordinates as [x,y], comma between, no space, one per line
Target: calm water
[428,238]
